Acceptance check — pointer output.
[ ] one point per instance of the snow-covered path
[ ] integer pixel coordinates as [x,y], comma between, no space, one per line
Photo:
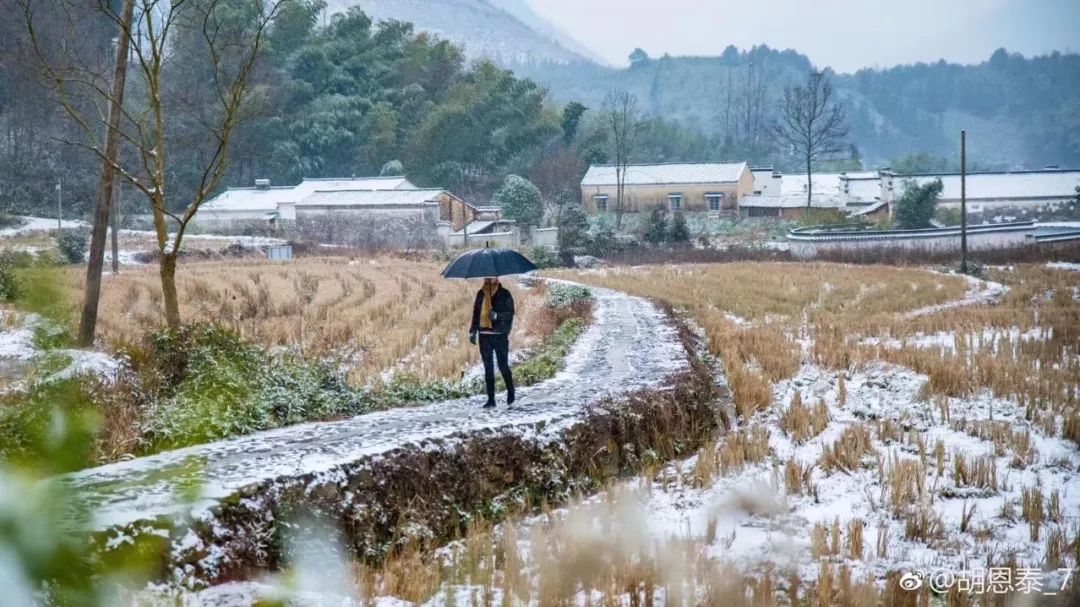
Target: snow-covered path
[629,346]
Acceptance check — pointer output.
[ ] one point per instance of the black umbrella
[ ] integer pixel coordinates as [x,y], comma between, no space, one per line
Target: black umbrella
[483,263]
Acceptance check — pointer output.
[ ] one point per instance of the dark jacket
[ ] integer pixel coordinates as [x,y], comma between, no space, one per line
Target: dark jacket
[502,304]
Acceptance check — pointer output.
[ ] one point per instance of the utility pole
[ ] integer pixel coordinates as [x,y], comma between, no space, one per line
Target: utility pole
[59,205]
[115,215]
[963,202]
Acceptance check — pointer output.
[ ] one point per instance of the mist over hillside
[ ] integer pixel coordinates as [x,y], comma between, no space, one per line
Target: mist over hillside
[505,31]
[1018,111]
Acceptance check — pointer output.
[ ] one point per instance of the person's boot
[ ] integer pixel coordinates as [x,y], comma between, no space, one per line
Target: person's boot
[489,405]
[510,396]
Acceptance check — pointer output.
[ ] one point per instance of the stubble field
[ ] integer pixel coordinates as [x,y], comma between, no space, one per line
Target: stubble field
[886,425]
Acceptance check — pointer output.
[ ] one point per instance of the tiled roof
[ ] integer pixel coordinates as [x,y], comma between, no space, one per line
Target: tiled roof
[371,198]
[267,199]
[662,174]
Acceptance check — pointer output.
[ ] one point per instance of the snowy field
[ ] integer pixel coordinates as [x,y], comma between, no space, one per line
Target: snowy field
[864,481]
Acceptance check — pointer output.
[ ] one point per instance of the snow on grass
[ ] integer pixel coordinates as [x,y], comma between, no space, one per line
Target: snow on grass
[1062,265]
[989,339]
[20,343]
[979,292]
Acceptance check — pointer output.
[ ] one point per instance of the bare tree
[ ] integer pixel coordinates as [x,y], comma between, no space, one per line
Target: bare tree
[620,111]
[811,123]
[743,112]
[174,43]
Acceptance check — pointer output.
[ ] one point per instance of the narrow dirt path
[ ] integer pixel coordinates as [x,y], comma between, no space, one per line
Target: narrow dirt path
[629,346]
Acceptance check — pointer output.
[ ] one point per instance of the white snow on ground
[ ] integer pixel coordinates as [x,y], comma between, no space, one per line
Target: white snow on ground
[880,392]
[40,224]
[989,339]
[1063,265]
[979,292]
[629,346]
[19,344]
[248,241]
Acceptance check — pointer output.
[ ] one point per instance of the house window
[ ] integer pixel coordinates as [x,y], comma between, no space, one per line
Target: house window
[675,202]
[714,201]
[601,202]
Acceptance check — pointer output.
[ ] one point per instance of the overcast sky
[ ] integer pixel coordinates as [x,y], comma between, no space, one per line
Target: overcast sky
[843,34]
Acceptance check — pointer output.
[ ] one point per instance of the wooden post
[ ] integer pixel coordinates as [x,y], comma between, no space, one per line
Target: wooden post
[92,292]
[963,202]
[114,228]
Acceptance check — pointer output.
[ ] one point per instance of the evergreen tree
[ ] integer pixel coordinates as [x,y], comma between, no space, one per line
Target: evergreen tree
[656,229]
[680,232]
[520,201]
[917,206]
[573,238]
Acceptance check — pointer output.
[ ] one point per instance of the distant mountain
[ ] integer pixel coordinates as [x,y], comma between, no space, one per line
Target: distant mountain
[1019,112]
[521,10]
[506,31]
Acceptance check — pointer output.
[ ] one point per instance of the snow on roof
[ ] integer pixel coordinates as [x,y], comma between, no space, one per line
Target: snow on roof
[371,198]
[267,199]
[991,186]
[791,201]
[870,209]
[660,174]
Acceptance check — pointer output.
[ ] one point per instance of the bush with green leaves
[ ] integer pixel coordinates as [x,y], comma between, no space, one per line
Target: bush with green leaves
[520,200]
[9,283]
[679,232]
[73,244]
[573,235]
[565,296]
[916,208]
[544,257]
[656,228]
[212,384]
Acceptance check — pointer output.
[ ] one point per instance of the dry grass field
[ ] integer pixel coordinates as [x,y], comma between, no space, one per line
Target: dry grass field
[378,315]
[880,435]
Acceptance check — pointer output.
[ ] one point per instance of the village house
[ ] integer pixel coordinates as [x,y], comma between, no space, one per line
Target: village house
[362,211]
[712,187]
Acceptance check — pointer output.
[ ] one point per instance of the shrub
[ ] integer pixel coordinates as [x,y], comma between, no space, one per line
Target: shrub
[544,257]
[9,284]
[917,206]
[679,232]
[573,233]
[656,229]
[207,383]
[10,221]
[566,296]
[73,244]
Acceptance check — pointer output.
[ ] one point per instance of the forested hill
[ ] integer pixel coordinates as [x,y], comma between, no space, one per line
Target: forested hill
[507,32]
[1018,111]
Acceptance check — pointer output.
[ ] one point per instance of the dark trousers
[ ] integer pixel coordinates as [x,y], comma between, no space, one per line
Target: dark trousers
[497,344]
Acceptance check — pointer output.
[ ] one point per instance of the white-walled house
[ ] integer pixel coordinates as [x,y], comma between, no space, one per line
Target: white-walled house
[265,202]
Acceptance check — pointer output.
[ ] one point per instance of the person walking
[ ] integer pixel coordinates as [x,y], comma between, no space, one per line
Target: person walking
[492,320]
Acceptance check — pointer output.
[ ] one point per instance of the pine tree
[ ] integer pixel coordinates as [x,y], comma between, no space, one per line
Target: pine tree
[656,230]
[680,231]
